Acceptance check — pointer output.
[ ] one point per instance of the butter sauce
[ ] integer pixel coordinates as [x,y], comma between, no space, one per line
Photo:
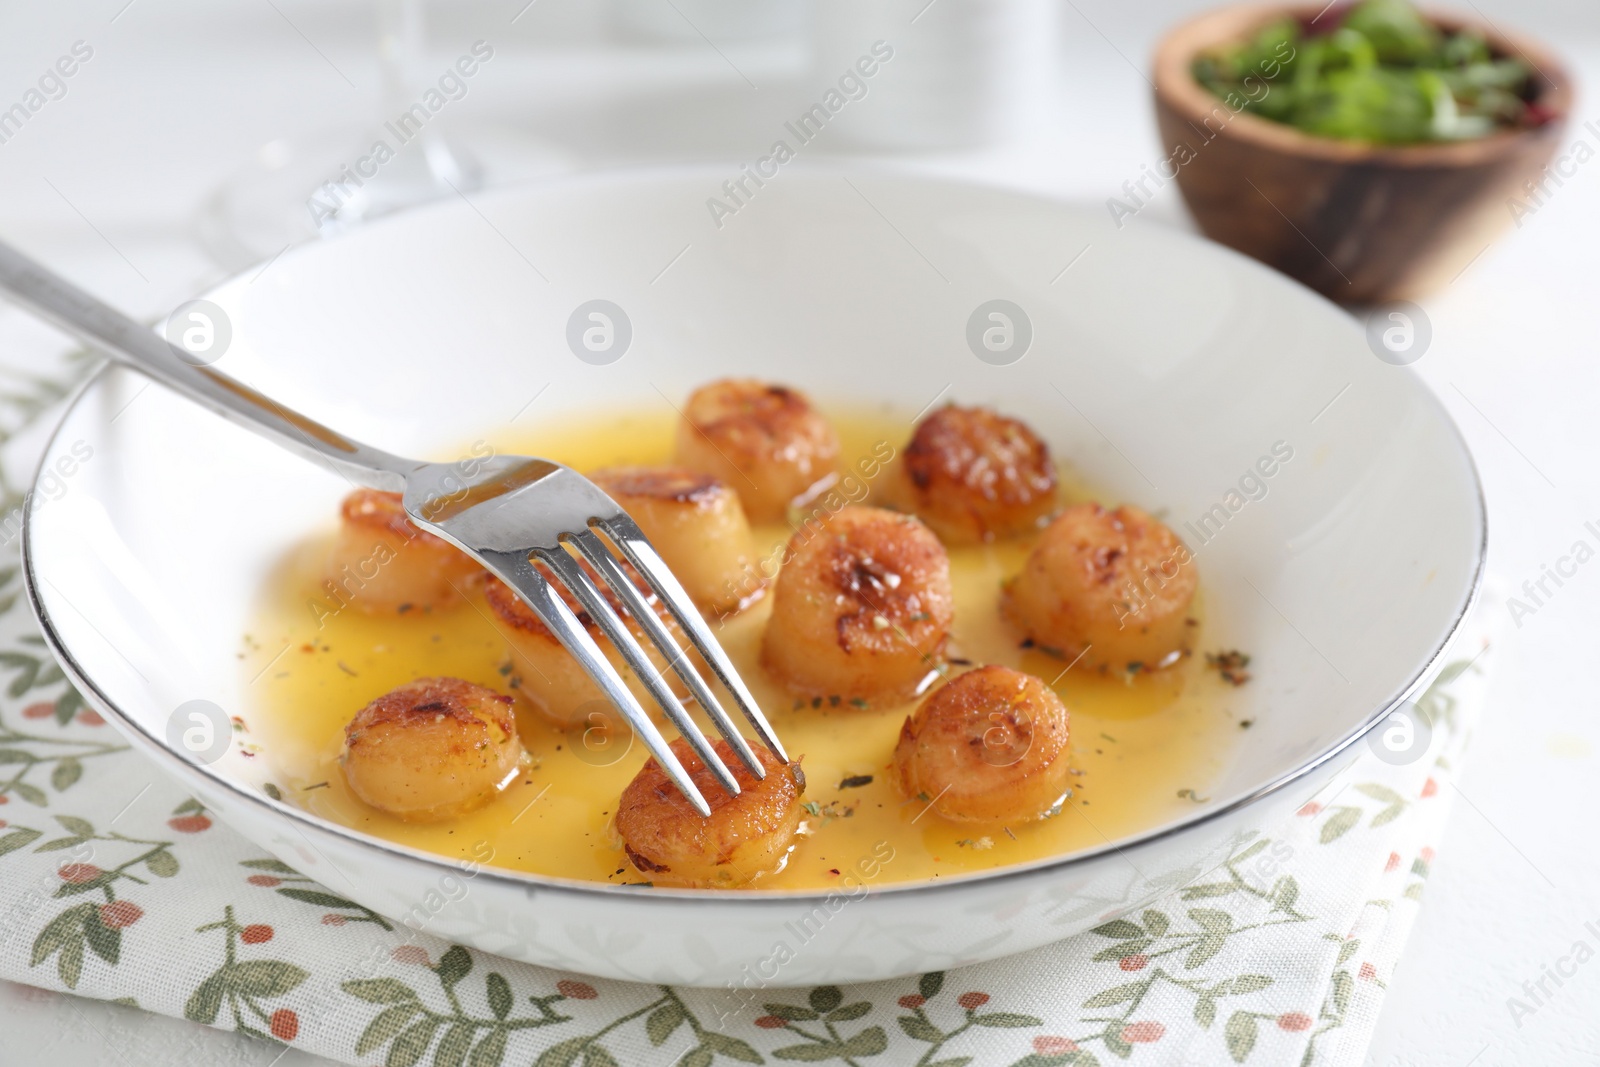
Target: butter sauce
[1142,746]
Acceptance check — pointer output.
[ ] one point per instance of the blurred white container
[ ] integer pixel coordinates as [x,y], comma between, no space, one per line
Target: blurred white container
[720,20]
[963,73]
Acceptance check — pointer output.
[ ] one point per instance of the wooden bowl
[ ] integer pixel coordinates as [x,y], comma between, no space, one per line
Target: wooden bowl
[1358,222]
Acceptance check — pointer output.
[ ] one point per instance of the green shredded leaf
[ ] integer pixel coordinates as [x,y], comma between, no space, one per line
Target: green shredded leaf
[1381,73]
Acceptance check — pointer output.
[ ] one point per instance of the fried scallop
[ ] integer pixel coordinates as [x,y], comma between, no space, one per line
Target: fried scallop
[697,525]
[989,746]
[861,608]
[975,475]
[745,837]
[382,563]
[1112,586]
[766,441]
[432,749]
[547,677]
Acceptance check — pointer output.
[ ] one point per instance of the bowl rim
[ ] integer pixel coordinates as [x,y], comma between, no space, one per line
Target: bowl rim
[523,881]
[1175,86]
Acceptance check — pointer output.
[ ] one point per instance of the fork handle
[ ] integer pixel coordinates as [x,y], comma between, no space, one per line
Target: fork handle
[103,326]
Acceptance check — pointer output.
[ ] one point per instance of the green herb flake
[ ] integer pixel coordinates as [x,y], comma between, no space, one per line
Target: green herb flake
[1230,666]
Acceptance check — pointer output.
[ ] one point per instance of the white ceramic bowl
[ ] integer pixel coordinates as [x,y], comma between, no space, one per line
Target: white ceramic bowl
[1163,365]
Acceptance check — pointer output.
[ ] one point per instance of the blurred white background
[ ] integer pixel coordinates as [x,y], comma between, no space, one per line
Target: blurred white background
[108,184]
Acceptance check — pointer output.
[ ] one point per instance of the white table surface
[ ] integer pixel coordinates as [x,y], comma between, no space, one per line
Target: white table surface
[105,184]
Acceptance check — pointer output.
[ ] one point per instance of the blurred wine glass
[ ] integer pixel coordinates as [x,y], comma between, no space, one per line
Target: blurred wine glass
[436,167]
[964,74]
[308,184]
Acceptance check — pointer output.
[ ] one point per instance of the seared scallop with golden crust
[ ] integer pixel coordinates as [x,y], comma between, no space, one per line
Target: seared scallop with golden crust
[432,749]
[975,475]
[989,746]
[745,836]
[382,563]
[547,677]
[697,525]
[861,609]
[766,441]
[1112,586]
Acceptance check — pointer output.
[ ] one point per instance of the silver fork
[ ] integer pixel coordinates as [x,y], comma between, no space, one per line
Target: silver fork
[511,511]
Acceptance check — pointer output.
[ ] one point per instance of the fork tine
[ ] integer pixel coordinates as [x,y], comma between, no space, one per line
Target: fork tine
[515,570]
[627,536]
[588,594]
[595,551]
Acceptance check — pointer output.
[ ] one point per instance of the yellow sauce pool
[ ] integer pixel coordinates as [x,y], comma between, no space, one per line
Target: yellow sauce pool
[1142,748]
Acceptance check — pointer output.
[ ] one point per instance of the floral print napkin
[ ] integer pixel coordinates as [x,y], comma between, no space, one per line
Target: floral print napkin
[115,885]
